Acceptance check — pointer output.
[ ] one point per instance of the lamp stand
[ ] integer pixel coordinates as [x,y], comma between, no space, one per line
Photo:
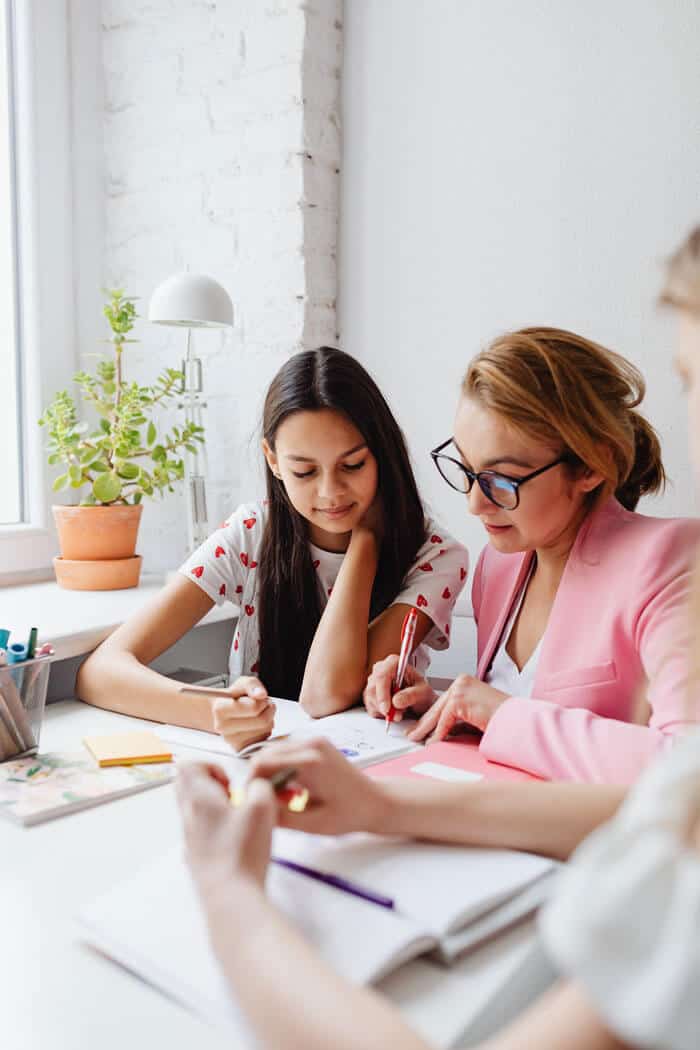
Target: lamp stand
[195,462]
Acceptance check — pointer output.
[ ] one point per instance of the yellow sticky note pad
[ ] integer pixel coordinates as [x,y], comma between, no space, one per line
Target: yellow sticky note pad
[127,749]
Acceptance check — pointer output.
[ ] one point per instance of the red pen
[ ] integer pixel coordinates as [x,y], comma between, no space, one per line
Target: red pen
[408,632]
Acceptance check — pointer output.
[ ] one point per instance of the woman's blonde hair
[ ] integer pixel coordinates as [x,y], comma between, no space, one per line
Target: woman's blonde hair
[576,396]
[682,290]
[682,285]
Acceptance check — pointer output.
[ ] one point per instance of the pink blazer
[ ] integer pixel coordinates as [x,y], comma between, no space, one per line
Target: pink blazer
[618,633]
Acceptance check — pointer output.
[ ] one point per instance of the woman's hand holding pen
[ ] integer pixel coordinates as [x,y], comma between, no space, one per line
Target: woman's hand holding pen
[468,701]
[417,694]
[247,717]
[341,798]
[222,843]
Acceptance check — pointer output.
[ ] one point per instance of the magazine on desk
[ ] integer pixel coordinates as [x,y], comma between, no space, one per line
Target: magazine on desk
[437,893]
[55,783]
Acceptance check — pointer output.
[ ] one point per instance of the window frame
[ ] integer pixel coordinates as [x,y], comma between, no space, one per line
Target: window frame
[42,124]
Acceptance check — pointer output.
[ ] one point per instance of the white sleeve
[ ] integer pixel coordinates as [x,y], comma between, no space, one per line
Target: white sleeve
[625,921]
[434,583]
[221,564]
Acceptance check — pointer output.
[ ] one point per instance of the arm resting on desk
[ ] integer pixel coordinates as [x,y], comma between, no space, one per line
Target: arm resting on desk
[551,819]
[561,1019]
[116,677]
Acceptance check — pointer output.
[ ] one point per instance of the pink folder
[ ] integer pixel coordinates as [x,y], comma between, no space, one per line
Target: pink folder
[457,754]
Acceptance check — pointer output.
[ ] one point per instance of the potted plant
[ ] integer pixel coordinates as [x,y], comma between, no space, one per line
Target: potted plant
[115,461]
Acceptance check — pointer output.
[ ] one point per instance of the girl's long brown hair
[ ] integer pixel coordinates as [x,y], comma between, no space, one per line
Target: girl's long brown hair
[288,596]
[578,397]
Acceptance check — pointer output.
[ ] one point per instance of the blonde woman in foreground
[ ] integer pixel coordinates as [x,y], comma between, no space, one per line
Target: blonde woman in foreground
[630,957]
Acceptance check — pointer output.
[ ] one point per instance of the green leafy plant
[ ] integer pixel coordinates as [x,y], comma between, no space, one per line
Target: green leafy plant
[118,461]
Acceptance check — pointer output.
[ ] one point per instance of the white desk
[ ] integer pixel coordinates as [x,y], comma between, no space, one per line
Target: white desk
[57,992]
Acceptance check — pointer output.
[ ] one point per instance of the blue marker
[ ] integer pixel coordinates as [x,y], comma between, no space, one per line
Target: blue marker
[16,653]
[4,638]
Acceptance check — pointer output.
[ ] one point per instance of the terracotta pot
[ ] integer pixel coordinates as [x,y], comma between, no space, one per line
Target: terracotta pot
[97,533]
[112,574]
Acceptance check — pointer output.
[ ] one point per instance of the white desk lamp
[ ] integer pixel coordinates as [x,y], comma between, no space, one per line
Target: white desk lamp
[192,300]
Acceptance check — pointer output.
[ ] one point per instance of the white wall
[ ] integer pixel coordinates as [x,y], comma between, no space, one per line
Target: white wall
[207,136]
[510,163]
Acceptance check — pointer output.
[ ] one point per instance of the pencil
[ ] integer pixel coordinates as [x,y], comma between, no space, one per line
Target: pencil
[206,690]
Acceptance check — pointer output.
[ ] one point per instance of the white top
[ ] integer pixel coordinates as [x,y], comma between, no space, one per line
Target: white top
[503,673]
[224,567]
[626,918]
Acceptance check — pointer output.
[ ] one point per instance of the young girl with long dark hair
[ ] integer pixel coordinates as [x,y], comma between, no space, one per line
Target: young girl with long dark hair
[323,571]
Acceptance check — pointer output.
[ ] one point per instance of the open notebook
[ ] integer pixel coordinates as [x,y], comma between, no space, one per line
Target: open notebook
[363,740]
[152,923]
[459,895]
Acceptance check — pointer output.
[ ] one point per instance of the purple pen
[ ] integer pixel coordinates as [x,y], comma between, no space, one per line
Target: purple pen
[335,880]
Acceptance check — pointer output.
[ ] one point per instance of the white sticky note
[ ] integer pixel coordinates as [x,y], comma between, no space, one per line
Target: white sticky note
[438,771]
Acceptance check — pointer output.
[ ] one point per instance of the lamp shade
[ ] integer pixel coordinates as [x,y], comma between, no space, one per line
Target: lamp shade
[191,300]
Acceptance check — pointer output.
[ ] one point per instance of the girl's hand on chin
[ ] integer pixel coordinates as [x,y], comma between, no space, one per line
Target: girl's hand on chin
[247,717]
[373,519]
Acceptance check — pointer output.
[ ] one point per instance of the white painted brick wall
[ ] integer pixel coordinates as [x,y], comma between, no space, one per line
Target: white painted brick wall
[221,130]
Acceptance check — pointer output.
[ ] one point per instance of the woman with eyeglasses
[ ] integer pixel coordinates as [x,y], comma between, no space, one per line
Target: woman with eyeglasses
[579,600]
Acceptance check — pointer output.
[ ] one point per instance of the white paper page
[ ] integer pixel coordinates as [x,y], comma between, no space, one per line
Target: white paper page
[363,740]
[443,887]
[152,924]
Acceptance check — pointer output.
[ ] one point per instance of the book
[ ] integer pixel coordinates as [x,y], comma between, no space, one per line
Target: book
[359,737]
[50,785]
[466,883]
[457,760]
[162,937]
[136,747]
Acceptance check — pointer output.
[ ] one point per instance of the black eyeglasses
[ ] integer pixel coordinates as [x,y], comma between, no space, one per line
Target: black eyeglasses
[501,489]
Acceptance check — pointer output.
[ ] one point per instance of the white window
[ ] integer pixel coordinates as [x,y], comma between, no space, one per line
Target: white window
[37,309]
[11,510]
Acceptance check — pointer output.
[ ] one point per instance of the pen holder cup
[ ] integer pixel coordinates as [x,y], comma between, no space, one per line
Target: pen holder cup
[22,697]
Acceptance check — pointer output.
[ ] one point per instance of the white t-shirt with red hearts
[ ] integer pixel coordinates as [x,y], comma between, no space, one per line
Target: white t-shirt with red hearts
[225,568]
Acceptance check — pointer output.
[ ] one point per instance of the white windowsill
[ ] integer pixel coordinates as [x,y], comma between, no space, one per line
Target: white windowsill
[75,622]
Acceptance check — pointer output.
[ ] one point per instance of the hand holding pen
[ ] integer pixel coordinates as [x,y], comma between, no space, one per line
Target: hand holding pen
[243,713]
[408,633]
[226,845]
